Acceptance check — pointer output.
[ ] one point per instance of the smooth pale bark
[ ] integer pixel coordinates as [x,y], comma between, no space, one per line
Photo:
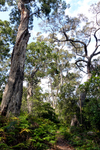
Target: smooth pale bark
[30,103]
[12,96]
[74,121]
[29,95]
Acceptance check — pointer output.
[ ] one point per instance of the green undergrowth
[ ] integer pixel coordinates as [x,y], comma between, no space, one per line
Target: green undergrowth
[26,133]
[36,133]
[80,139]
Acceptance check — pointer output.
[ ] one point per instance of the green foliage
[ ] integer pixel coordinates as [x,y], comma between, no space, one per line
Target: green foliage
[91,114]
[48,112]
[26,132]
[38,56]
[67,103]
[78,137]
[38,130]
[4,6]
[37,53]
[40,108]
[15,17]
[4,146]
[6,38]
[91,109]
[40,8]
[52,6]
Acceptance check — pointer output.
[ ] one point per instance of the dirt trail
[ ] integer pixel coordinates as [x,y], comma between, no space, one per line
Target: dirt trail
[63,144]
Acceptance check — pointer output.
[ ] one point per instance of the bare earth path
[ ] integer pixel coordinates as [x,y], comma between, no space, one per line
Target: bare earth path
[62,144]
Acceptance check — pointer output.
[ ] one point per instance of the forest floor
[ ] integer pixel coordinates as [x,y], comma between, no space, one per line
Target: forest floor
[32,133]
[62,144]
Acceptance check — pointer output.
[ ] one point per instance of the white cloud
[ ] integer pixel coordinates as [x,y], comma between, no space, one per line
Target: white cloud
[44,84]
[33,35]
[80,6]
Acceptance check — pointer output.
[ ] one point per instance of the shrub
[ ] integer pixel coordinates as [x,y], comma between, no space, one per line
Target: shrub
[27,132]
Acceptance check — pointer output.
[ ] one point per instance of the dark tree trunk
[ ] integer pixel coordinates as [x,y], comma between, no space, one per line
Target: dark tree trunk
[12,96]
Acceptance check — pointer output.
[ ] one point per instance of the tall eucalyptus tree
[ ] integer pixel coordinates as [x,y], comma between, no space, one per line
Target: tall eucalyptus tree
[12,96]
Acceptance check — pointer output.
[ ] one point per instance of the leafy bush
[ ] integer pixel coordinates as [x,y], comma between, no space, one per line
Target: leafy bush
[91,109]
[26,132]
[91,113]
[79,138]
[48,112]
[67,103]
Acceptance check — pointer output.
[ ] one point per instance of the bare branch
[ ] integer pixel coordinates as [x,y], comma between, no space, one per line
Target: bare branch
[34,71]
[94,53]
[75,48]
[81,60]
[76,41]
[26,1]
[96,36]
[81,66]
[96,19]
[89,41]
[35,13]
[97,53]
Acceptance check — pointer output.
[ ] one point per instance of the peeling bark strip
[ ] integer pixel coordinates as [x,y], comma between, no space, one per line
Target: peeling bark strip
[12,96]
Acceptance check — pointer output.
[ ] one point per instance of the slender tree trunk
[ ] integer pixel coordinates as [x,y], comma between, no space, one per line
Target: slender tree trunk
[29,94]
[12,96]
[74,121]
[52,94]
[84,93]
[30,90]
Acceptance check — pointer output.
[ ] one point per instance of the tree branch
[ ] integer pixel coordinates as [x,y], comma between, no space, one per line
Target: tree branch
[34,71]
[37,12]
[81,60]
[76,41]
[96,53]
[96,19]
[26,1]
[96,36]
[81,66]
